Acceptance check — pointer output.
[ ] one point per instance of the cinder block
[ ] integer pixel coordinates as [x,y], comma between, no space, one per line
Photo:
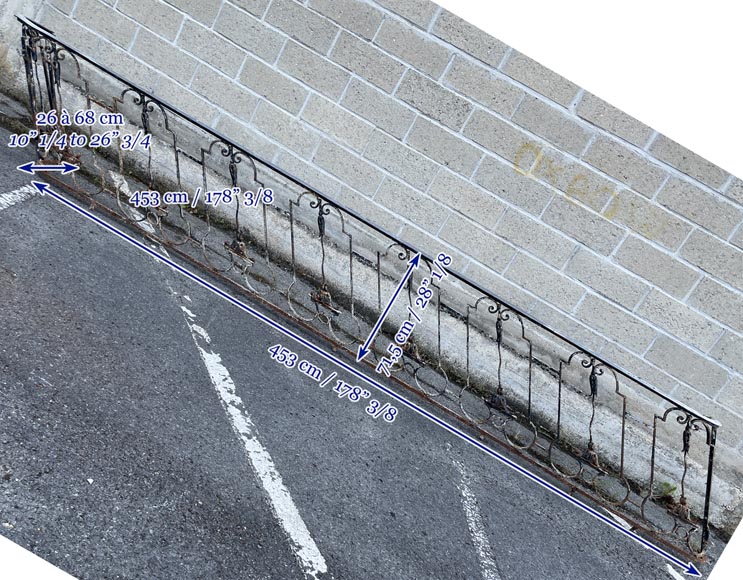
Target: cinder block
[711,211]
[619,325]
[419,12]
[255,7]
[647,218]
[687,162]
[168,59]
[469,38]
[507,184]
[735,191]
[606,279]
[378,108]
[554,125]
[444,147]
[65,6]
[302,24]
[729,350]
[358,17]
[609,118]
[401,161]
[224,93]
[154,15]
[350,169]
[69,30]
[367,61]
[737,239]
[412,205]
[205,11]
[618,160]
[211,48]
[274,86]
[565,325]
[539,78]
[285,129]
[413,47]
[118,59]
[460,195]
[433,100]
[249,33]
[431,245]
[479,83]
[311,175]
[375,213]
[503,139]
[247,137]
[107,22]
[715,257]
[658,267]
[497,285]
[576,180]
[477,243]
[679,320]
[183,99]
[313,70]
[636,366]
[555,288]
[686,365]
[537,239]
[732,395]
[587,227]
[336,121]
[731,432]
[718,302]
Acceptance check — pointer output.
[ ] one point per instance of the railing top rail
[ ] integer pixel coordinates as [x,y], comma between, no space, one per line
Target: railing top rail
[49,34]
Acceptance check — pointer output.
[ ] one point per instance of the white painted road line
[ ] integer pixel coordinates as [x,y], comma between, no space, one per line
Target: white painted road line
[477,528]
[282,504]
[17,196]
[675,575]
[621,521]
[123,186]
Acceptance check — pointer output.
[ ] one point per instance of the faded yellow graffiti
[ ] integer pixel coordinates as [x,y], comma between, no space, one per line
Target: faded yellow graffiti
[528,147]
[620,208]
[633,216]
[544,168]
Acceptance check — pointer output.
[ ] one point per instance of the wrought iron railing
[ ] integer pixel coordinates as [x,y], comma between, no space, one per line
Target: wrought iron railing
[606,434]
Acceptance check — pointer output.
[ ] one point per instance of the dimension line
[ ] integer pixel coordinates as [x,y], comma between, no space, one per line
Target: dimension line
[364,349]
[32,168]
[687,567]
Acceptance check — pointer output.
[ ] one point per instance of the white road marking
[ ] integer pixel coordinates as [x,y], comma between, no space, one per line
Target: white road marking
[17,196]
[123,186]
[304,547]
[621,521]
[675,575]
[477,529]
[186,310]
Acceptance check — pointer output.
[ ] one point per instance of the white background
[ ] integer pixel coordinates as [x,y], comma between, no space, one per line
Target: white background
[675,66]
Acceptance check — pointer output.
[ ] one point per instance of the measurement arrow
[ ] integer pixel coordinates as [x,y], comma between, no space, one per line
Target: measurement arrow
[687,567]
[31,168]
[43,188]
[364,349]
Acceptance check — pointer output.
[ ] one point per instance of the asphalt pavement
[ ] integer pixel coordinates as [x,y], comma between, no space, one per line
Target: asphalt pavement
[146,432]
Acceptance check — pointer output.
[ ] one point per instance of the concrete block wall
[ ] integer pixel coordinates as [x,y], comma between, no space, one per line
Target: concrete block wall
[555,200]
